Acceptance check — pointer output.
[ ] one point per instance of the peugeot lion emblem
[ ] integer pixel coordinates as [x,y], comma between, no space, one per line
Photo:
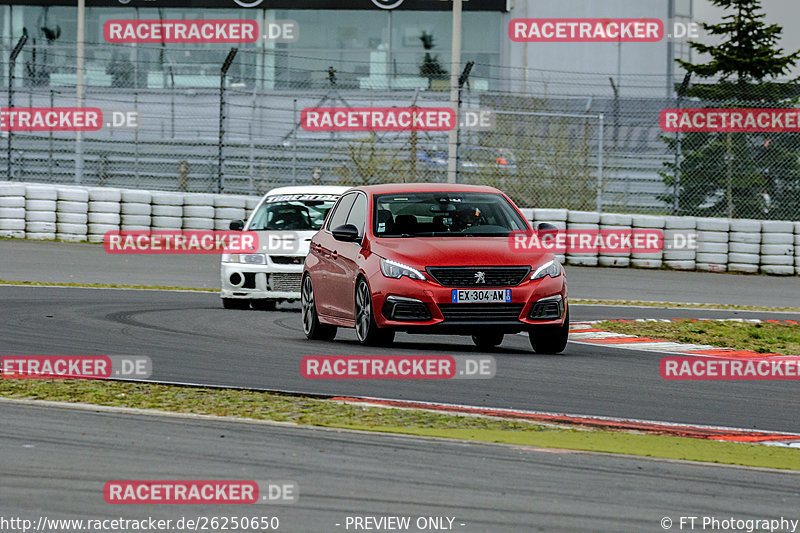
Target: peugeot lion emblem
[480,277]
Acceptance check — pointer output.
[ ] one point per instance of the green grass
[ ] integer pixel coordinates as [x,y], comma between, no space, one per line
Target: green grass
[105,286]
[684,305]
[332,414]
[763,337]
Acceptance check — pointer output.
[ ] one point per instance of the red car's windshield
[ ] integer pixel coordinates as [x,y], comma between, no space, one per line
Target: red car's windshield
[444,214]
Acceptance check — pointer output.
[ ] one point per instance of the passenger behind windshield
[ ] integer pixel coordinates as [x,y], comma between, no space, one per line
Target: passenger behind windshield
[445,215]
[299,215]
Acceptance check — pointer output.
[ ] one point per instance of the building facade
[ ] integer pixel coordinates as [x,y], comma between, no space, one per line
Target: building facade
[371,44]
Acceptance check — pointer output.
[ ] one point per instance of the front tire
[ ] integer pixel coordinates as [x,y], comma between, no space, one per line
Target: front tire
[263,304]
[367,331]
[235,303]
[550,339]
[312,327]
[486,341]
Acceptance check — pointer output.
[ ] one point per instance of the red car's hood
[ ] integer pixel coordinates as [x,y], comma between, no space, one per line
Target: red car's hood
[421,252]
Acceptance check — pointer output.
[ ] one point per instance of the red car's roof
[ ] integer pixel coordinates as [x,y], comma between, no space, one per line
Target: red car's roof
[424,187]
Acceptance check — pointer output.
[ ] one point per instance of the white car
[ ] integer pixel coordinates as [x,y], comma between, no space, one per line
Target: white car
[285,220]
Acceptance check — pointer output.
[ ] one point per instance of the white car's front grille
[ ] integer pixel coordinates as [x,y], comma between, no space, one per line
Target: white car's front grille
[285,282]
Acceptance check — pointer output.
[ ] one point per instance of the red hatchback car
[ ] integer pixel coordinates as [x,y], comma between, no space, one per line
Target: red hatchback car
[431,258]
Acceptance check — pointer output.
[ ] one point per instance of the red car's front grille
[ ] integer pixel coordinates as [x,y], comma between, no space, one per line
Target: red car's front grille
[490,276]
[481,313]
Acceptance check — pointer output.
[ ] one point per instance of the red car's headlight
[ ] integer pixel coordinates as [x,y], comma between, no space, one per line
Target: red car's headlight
[393,269]
[551,268]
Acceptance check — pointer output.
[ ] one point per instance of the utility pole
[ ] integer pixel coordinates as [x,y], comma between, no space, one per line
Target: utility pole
[455,67]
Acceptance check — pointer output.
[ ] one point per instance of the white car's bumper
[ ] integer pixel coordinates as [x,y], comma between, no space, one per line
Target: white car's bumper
[270,281]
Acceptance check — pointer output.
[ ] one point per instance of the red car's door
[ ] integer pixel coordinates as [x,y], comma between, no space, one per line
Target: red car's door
[346,258]
[327,274]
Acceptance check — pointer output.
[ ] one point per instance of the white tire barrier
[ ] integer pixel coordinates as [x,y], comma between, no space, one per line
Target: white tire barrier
[199,199]
[583,217]
[137,209]
[40,212]
[167,211]
[12,212]
[229,213]
[69,237]
[168,223]
[12,224]
[198,211]
[252,203]
[777,238]
[554,217]
[40,216]
[588,221]
[777,249]
[745,268]
[101,229]
[140,221]
[40,227]
[166,198]
[132,196]
[713,224]
[614,221]
[40,205]
[752,238]
[36,236]
[712,244]
[680,242]
[744,246]
[797,247]
[745,225]
[544,215]
[68,206]
[713,247]
[198,223]
[101,194]
[37,192]
[12,189]
[73,218]
[73,229]
[239,202]
[780,260]
[739,257]
[10,202]
[648,260]
[104,207]
[778,270]
[73,194]
[104,218]
[777,226]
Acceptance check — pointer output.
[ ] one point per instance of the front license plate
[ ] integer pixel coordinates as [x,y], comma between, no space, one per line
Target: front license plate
[481,296]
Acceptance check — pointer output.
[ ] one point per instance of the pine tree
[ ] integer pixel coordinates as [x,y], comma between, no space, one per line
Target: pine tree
[752,175]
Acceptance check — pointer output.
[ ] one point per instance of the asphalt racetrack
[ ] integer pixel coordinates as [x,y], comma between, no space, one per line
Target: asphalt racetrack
[56,460]
[57,466]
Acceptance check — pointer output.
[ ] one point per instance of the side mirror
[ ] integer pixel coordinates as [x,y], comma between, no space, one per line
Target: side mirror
[544,227]
[346,233]
[237,225]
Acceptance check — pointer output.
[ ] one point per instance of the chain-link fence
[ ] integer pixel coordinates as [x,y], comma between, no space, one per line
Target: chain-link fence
[545,150]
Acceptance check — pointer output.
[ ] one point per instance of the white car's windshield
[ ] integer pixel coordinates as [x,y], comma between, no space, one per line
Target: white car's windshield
[296,212]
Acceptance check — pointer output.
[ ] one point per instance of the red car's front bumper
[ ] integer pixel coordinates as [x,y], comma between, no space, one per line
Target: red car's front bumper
[447,317]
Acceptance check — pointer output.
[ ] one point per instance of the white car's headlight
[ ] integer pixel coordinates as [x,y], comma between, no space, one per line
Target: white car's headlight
[249,259]
[393,269]
[551,268]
